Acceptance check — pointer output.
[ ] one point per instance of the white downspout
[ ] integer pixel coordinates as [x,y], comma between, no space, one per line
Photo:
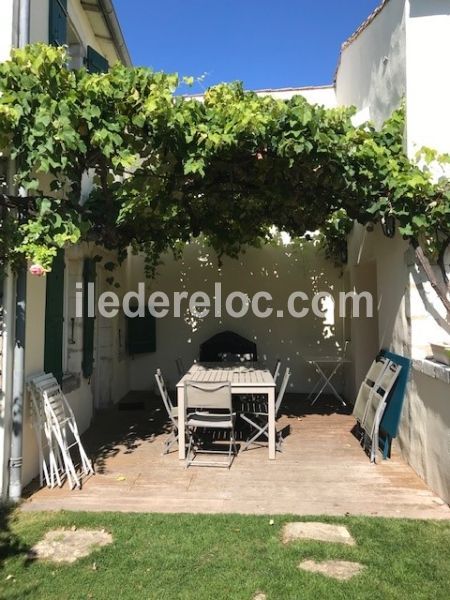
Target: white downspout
[18,384]
[7,371]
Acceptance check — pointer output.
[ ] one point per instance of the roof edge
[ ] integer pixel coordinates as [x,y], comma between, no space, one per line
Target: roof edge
[360,29]
[112,21]
[329,86]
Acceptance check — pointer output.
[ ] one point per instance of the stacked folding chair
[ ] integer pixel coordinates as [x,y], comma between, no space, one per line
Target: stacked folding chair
[372,400]
[57,434]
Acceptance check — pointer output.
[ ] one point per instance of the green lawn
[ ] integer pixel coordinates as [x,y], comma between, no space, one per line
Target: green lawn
[223,557]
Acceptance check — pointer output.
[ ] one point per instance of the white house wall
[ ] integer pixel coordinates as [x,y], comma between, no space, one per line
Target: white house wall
[324,96]
[6,29]
[428,49]
[372,70]
[278,270]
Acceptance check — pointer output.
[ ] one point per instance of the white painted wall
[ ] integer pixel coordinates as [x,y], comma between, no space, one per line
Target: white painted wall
[39,17]
[425,431]
[428,49]
[278,270]
[6,28]
[390,258]
[372,70]
[323,95]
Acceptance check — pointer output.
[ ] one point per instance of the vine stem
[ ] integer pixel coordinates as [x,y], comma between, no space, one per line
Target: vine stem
[425,265]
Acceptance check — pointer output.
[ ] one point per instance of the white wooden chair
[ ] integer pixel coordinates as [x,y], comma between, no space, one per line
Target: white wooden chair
[259,419]
[172,411]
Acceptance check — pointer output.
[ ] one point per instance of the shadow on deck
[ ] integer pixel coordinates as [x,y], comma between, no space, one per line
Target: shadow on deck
[322,470]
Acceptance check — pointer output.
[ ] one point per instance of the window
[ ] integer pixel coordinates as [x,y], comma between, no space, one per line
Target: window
[95,62]
[141,334]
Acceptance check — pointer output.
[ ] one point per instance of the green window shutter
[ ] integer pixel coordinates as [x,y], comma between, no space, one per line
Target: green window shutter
[87,365]
[57,22]
[141,334]
[95,62]
[54,318]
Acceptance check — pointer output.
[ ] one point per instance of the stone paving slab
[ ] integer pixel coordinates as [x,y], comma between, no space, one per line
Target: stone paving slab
[68,545]
[322,532]
[341,570]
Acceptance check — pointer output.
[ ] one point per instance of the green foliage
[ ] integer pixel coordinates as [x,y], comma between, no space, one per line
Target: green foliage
[167,168]
[199,557]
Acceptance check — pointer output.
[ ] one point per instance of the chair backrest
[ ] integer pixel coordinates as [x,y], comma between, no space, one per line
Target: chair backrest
[370,381]
[48,388]
[276,373]
[163,392]
[283,387]
[215,395]
[378,397]
[180,366]
[387,379]
[377,368]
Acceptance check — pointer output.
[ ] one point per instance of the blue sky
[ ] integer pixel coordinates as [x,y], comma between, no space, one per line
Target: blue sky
[264,43]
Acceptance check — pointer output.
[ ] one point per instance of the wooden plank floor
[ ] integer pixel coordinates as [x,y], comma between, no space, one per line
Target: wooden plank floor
[322,471]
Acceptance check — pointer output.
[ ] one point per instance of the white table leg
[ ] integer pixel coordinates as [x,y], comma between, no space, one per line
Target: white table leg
[271,402]
[181,424]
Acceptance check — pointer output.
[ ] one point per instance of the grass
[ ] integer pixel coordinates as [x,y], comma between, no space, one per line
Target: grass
[218,557]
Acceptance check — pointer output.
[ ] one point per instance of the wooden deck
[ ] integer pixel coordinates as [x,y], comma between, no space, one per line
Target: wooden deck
[322,471]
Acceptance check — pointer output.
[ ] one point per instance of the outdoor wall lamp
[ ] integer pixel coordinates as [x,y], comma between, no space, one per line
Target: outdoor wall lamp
[388,225]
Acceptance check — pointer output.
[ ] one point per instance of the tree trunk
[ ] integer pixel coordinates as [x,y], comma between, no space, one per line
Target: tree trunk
[424,263]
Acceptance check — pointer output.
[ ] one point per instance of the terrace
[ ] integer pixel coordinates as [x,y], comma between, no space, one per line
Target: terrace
[322,470]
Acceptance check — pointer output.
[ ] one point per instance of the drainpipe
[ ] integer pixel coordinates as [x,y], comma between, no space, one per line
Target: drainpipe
[15,461]
[7,371]
[24,23]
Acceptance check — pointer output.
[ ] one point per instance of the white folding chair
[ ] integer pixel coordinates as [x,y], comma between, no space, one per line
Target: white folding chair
[376,406]
[172,411]
[211,406]
[374,374]
[62,424]
[51,467]
[259,420]
[276,373]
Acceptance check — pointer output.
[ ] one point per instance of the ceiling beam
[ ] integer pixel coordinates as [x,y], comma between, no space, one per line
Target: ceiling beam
[89,6]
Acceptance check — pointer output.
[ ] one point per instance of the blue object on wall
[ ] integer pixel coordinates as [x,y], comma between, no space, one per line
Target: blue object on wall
[391,419]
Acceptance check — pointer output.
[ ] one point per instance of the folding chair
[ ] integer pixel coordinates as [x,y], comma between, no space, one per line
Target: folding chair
[376,406]
[211,404]
[62,424]
[50,463]
[259,420]
[276,373]
[172,411]
[374,374]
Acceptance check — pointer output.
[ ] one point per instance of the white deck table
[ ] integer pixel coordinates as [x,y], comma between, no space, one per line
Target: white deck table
[245,378]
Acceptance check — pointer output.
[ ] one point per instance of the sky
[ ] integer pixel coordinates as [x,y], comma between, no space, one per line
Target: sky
[264,43]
